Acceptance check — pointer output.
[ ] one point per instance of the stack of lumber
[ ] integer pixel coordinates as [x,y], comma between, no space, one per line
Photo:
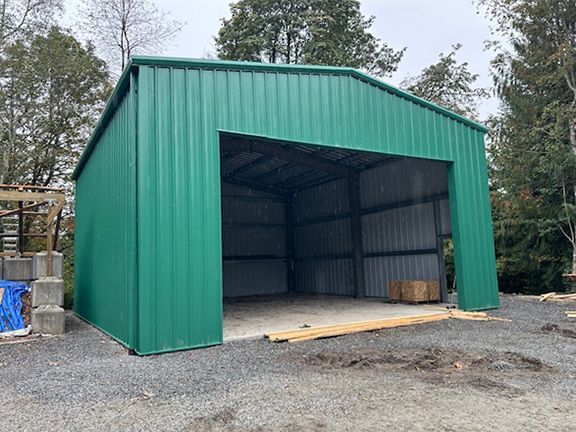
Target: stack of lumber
[552,296]
[414,291]
[570,314]
[301,335]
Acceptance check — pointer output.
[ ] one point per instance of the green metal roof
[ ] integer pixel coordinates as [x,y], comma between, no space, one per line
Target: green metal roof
[137,61]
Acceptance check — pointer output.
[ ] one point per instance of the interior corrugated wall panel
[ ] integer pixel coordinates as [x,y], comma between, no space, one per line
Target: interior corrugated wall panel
[402,180]
[321,245]
[253,225]
[332,276]
[328,199]
[254,278]
[321,239]
[379,271]
[105,235]
[403,229]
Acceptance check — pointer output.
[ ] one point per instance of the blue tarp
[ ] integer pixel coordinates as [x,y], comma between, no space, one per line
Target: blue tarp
[11,306]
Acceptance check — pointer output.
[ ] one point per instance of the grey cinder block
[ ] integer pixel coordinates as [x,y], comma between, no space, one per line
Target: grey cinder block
[39,265]
[48,320]
[17,269]
[47,291]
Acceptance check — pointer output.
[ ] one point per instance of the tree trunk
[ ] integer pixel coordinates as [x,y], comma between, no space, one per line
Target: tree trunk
[574,259]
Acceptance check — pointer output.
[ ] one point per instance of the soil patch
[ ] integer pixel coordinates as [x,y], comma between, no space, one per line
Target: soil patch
[425,360]
[554,328]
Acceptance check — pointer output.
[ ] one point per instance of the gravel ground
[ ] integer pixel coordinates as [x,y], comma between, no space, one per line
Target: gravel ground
[447,376]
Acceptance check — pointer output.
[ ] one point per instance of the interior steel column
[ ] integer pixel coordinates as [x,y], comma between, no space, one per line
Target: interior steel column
[356,225]
[289,221]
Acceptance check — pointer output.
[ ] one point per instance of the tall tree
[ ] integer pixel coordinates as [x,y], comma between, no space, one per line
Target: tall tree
[449,84]
[121,28]
[54,89]
[304,31]
[534,148]
[20,16]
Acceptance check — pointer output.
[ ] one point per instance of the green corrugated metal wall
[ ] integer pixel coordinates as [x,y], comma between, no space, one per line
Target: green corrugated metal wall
[105,234]
[183,105]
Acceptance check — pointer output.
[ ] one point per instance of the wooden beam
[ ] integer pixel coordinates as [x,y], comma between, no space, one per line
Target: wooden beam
[284,152]
[31,187]
[6,195]
[356,226]
[25,208]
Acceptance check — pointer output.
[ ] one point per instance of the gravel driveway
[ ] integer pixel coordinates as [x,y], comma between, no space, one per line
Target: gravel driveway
[446,376]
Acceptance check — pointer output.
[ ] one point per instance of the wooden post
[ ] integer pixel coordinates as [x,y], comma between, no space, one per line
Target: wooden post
[356,227]
[289,221]
[57,230]
[20,248]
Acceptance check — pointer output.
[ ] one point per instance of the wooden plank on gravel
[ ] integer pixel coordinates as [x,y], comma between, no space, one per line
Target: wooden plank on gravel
[546,296]
[354,327]
[346,330]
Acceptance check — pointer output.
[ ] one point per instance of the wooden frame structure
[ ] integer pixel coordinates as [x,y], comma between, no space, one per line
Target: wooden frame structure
[29,199]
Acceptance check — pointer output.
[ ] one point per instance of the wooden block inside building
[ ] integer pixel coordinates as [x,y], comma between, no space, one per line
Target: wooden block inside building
[414,291]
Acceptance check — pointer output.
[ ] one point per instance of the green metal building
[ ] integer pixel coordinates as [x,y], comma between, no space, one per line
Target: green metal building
[213,178]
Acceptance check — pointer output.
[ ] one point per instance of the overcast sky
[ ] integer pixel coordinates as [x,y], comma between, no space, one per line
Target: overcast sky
[425,27]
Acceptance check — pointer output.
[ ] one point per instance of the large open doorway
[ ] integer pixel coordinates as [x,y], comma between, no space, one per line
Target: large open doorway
[313,235]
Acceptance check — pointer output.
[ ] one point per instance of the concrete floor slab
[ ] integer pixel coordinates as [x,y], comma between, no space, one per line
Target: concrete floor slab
[252,317]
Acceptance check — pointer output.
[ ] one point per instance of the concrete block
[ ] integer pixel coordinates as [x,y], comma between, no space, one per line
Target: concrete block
[39,265]
[18,269]
[47,291]
[48,320]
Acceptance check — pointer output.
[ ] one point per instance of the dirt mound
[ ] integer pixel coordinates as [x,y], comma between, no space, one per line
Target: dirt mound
[425,360]
[554,328]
